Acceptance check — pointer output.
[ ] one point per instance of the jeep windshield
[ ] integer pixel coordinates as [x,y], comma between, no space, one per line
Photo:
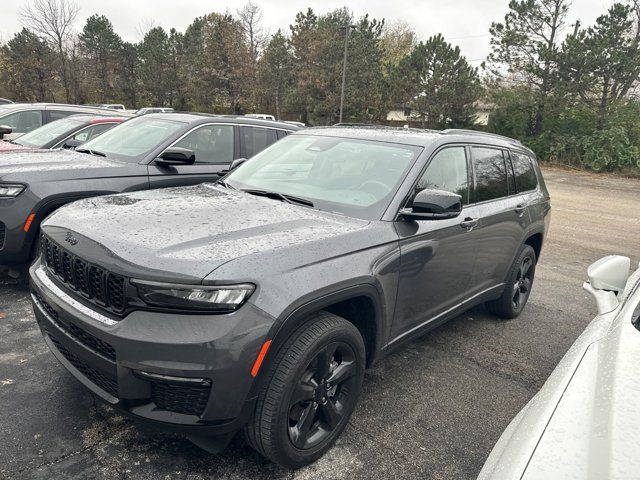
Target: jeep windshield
[132,140]
[349,176]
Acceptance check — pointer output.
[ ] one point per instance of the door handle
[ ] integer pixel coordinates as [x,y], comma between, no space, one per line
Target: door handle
[469,223]
[520,208]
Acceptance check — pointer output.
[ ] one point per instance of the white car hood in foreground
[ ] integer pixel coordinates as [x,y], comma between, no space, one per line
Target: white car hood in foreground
[585,421]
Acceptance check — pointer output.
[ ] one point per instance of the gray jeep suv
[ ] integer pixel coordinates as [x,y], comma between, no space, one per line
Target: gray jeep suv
[256,303]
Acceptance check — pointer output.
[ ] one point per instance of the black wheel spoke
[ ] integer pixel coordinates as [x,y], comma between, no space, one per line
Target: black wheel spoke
[525,286]
[332,413]
[300,433]
[303,392]
[524,269]
[323,365]
[345,370]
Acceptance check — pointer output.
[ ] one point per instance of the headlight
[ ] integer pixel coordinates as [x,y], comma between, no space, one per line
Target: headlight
[11,190]
[215,299]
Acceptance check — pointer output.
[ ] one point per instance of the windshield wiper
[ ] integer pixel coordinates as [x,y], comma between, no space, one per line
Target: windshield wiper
[92,152]
[280,196]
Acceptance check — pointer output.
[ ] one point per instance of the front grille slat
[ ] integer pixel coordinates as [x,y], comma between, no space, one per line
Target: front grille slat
[101,287]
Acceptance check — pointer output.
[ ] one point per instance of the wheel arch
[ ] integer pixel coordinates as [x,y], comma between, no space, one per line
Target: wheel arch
[359,304]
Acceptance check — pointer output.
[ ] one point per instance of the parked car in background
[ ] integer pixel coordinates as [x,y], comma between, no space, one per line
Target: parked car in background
[262,116]
[147,110]
[69,132]
[24,117]
[5,100]
[258,302]
[112,106]
[584,422]
[151,151]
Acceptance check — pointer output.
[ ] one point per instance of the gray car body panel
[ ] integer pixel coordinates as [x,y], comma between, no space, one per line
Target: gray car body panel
[300,259]
[56,177]
[584,421]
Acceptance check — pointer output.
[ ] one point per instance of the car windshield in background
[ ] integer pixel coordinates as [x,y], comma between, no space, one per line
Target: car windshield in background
[133,139]
[41,136]
[349,176]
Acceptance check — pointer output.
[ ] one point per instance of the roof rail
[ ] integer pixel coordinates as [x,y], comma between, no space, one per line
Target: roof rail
[463,131]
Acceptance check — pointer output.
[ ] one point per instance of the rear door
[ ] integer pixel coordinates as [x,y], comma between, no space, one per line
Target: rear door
[214,145]
[502,216]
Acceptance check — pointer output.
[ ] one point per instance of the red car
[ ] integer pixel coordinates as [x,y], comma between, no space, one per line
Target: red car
[68,132]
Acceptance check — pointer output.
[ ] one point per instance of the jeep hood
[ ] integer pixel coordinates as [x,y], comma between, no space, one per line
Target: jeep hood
[25,164]
[186,233]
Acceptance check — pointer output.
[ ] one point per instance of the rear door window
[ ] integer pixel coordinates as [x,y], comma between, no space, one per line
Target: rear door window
[492,177]
[58,114]
[524,173]
[256,139]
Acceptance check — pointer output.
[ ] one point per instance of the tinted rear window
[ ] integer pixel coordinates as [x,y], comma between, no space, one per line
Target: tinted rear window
[523,170]
[491,173]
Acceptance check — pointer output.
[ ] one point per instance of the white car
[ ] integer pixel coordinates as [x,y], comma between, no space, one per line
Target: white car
[585,421]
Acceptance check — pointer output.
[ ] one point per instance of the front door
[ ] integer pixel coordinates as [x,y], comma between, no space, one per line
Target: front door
[437,256]
[214,146]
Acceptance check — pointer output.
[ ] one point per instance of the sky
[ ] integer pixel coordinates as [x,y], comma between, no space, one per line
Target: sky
[462,22]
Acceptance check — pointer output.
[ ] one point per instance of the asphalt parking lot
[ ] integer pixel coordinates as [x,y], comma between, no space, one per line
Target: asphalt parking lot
[431,410]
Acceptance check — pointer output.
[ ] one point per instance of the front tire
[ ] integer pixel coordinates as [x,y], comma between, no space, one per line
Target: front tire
[310,393]
[518,288]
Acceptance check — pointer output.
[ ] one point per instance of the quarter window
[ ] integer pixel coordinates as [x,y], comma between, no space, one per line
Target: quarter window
[447,171]
[491,174]
[211,143]
[257,139]
[523,170]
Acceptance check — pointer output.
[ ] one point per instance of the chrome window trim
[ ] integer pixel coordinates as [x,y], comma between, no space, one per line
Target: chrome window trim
[219,123]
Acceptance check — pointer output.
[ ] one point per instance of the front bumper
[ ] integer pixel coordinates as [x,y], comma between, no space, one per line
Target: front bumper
[185,373]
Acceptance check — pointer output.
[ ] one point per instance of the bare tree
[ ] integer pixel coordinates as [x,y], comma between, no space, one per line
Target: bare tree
[250,17]
[53,21]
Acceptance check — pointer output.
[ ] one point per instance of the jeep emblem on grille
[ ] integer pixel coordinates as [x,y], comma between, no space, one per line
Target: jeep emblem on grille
[70,238]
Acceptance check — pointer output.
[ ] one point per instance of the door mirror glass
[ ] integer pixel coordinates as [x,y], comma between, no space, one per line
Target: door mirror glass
[434,205]
[176,156]
[5,130]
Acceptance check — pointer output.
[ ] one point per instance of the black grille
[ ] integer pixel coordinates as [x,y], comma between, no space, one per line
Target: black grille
[3,233]
[91,281]
[186,399]
[84,337]
[105,382]
[47,308]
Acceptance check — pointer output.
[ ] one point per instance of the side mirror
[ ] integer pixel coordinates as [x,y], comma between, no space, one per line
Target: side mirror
[176,156]
[607,277]
[72,144]
[5,130]
[433,205]
[236,163]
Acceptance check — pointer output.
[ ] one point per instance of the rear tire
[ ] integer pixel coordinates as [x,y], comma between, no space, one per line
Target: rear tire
[311,391]
[518,287]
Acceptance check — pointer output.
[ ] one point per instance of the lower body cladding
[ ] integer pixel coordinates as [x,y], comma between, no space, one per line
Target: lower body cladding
[183,373]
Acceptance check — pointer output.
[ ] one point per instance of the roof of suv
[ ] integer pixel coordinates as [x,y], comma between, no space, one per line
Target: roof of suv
[197,118]
[414,136]
[43,106]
